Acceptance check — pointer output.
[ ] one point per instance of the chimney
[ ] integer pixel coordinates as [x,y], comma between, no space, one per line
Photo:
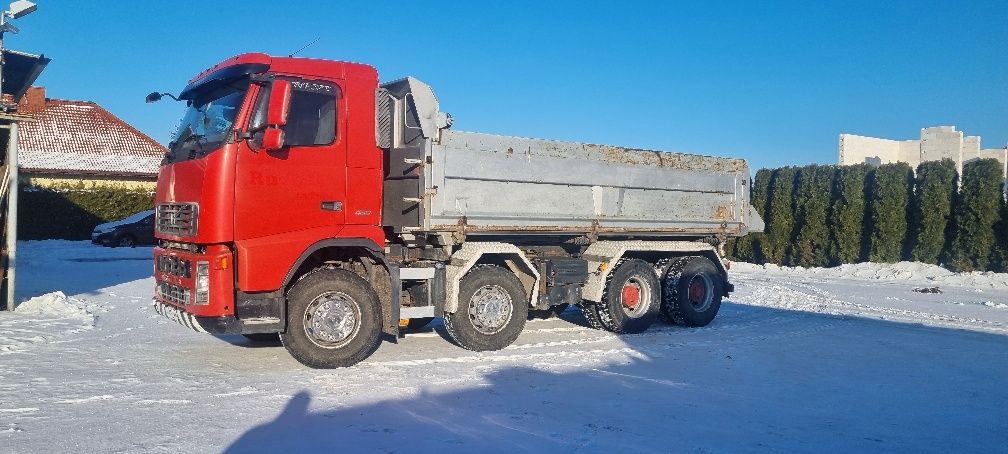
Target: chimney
[33,100]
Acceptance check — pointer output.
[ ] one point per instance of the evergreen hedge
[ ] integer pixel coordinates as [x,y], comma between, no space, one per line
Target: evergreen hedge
[750,247]
[829,215]
[847,214]
[935,189]
[890,198]
[72,211]
[812,200]
[781,213]
[975,213]
[1001,235]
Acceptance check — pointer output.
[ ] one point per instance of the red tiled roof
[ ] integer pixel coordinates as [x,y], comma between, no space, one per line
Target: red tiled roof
[81,137]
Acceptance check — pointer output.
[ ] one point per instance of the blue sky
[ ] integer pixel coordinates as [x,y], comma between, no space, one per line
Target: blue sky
[774,83]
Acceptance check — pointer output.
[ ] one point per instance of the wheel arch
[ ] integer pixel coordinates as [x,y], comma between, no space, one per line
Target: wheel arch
[344,250]
[602,257]
[482,253]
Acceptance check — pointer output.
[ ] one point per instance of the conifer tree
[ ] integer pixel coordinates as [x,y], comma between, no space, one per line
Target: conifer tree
[890,198]
[935,187]
[760,200]
[975,213]
[847,214]
[812,203]
[780,216]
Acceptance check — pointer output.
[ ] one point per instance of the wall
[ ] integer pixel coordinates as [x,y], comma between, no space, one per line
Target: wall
[936,143]
[855,149]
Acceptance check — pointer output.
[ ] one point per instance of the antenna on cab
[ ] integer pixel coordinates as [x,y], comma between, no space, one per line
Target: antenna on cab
[303,47]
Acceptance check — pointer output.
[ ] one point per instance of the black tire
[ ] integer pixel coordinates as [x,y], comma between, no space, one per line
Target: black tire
[590,311]
[693,291]
[318,344]
[632,298]
[125,240]
[464,325]
[266,338]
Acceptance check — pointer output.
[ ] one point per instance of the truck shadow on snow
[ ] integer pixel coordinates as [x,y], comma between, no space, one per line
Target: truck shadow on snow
[757,379]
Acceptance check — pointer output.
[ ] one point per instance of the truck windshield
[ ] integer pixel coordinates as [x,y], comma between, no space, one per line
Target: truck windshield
[207,123]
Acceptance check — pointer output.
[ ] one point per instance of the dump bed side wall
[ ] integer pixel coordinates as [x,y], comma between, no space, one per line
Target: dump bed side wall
[500,183]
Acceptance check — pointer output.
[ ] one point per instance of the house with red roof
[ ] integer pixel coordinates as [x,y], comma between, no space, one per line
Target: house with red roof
[79,141]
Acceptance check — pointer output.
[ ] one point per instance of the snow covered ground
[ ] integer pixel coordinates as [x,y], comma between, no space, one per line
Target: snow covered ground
[798,360]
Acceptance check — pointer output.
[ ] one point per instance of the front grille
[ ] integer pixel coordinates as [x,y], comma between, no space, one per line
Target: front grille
[174,293]
[177,218]
[174,265]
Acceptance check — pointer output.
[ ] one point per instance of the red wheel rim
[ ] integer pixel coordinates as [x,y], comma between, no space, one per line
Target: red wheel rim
[630,296]
[697,291]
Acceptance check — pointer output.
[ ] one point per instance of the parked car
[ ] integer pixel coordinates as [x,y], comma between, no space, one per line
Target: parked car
[137,229]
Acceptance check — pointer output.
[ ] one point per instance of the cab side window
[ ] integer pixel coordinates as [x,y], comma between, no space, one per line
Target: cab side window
[312,116]
[312,119]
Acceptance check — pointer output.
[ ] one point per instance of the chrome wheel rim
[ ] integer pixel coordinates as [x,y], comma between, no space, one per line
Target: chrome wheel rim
[332,320]
[636,297]
[700,292]
[490,309]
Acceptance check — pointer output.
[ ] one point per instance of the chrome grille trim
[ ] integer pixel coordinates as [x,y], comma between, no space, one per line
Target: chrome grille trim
[176,294]
[177,218]
[174,265]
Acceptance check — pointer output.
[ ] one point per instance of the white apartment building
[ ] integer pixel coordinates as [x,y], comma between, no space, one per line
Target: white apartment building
[935,143]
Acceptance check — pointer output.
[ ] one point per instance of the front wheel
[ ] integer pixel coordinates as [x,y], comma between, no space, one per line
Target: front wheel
[492,308]
[333,319]
[693,291]
[126,241]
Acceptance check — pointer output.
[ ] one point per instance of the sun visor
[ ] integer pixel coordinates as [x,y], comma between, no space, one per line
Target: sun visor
[220,77]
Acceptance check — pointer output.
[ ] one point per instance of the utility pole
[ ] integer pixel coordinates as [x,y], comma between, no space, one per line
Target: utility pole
[18,9]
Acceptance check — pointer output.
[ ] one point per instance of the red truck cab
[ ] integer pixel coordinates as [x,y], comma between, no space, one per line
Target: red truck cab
[233,215]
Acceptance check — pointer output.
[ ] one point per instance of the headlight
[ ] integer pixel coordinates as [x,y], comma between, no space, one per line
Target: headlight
[202,283]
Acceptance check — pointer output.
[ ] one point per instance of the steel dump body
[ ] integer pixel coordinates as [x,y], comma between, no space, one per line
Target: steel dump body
[490,183]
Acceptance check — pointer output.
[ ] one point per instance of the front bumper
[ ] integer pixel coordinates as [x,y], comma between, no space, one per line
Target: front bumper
[175,283]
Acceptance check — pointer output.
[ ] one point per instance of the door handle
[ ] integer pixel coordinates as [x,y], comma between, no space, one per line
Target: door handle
[332,205]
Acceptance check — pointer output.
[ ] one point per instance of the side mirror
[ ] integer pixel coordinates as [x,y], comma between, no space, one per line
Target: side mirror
[266,128]
[272,139]
[279,103]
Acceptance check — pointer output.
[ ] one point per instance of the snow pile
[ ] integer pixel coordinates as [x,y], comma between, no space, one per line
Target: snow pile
[902,271]
[54,305]
[42,319]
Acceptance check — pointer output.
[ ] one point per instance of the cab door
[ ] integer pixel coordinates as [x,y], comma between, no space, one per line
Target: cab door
[300,189]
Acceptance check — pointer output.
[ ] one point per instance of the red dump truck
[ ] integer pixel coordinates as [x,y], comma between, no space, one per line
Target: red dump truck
[302,199]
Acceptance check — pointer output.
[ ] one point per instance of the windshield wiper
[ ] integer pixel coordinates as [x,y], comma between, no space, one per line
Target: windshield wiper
[182,140]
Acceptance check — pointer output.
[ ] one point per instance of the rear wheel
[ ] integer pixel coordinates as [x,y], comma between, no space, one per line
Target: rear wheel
[333,319]
[492,308]
[693,291]
[632,298]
